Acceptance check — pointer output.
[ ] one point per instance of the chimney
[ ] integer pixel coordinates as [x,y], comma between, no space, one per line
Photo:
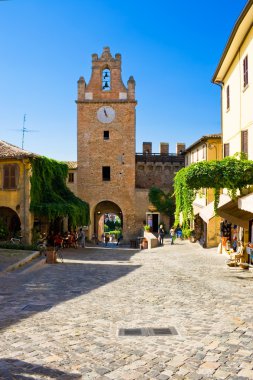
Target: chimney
[164,148]
[147,147]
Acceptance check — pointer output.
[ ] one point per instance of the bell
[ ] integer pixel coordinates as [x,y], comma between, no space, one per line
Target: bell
[105,85]
[106,75]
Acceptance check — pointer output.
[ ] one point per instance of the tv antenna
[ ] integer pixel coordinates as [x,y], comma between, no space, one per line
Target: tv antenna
[24,130]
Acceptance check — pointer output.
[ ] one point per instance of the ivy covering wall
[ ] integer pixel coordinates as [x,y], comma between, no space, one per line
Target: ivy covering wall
[230,173]
[50,195]
[163,202]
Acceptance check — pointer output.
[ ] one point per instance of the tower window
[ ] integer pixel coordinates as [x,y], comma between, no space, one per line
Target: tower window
[106,80]
[106,135]
[106,172]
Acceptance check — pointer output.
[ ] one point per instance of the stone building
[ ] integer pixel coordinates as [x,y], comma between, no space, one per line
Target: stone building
[111,177]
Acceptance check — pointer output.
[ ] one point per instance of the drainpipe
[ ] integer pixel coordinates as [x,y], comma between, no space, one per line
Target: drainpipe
[221,84]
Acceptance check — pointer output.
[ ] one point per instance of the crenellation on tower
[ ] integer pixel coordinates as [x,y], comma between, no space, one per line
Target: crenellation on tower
[164,148]
[180,148]
[106,81]
[147,147]
[81,85]
[131,88]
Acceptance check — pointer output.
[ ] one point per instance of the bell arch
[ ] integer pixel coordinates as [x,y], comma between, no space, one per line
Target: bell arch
[11,219]
[104,208]
[106,79]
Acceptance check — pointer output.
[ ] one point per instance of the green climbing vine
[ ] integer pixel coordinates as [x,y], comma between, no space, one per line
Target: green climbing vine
[230,173]
[50,195]
[163,202]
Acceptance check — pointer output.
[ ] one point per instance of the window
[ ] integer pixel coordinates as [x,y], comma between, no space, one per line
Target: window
[228,98]
[106,135]
[106,172]
[226,150]
[106,80]
[71,177]
[245,72]
[244,141]
[10,176]
[203,152]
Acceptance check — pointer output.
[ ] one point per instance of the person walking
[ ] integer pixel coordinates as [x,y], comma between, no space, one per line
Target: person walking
[172,234]
[161,234]
[81,238]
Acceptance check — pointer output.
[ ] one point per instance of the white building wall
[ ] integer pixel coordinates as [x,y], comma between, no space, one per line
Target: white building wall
[239,116]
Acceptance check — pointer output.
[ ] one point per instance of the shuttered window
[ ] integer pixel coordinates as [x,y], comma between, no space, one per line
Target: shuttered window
[245,72]
[226,150]
[244,141]
[10,176]
[228,97]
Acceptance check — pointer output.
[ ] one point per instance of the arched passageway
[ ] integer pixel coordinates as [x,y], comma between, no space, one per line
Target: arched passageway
[10,219]
[108,217]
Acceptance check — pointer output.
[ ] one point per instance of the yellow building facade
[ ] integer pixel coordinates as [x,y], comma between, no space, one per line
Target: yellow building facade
[15,172]
[206,225]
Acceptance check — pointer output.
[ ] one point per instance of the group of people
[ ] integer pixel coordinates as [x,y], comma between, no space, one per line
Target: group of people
[67,240]
[161,233]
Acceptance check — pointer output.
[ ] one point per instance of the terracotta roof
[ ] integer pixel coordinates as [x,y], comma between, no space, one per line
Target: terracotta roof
[71,164]
[11,151]
[203,139]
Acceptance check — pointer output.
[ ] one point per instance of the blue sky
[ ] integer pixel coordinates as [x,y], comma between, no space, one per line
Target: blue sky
[171,48]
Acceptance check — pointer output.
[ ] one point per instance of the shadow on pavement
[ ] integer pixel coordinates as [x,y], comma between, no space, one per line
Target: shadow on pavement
[39,291]
[20,370]
[100,254]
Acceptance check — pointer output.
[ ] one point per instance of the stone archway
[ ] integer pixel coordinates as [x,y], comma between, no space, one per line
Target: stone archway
[11,219]
[102,208]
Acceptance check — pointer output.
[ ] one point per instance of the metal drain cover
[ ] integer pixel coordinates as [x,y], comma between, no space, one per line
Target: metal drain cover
[36,307]
[148,331]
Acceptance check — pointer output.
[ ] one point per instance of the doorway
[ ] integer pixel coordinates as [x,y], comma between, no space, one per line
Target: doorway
[153,220]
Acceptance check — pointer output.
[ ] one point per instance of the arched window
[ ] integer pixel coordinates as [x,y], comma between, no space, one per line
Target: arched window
[106,80]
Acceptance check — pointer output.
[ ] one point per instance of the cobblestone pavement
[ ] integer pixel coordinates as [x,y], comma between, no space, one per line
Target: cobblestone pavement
[97,291]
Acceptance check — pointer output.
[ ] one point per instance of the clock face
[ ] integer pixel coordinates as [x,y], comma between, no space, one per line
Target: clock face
[105,114]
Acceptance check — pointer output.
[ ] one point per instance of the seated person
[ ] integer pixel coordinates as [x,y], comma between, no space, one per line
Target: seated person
[58,241]
[240,255]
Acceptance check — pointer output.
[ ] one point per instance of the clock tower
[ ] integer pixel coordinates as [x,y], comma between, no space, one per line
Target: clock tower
[106,144]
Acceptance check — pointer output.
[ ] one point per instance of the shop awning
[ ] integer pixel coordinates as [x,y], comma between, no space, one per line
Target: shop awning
[207,212]
[246,203]
[232,213]
[197,208]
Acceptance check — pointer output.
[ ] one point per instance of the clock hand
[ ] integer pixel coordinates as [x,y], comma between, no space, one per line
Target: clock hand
[105,112]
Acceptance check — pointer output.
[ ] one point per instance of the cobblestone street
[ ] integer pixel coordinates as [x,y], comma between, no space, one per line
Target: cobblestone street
[97,291]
